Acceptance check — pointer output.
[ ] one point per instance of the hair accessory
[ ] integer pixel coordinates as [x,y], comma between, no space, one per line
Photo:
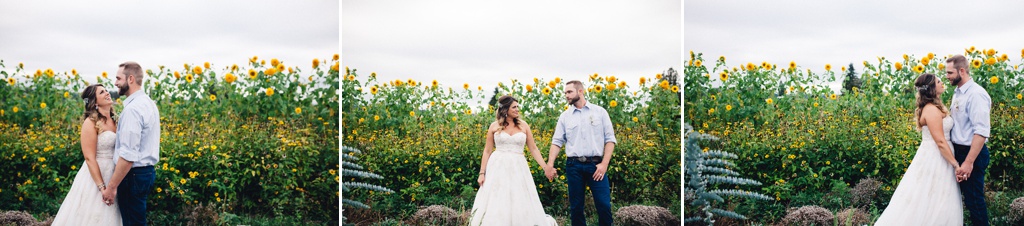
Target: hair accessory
[922,88]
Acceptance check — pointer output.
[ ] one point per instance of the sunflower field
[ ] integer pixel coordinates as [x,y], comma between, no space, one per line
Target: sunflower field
[426,140]
[258,139]
[802,139]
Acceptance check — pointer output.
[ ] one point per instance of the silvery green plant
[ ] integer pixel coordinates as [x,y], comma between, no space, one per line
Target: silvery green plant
[703,171]
[350,169]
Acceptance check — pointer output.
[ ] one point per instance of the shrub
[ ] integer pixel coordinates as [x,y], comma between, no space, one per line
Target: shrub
[706,169]
[864,192]
[436,215]
[1016,214]
[853,217]
[645,215]
[808,215]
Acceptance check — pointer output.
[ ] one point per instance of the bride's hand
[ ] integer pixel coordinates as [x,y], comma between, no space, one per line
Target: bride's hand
[480,180]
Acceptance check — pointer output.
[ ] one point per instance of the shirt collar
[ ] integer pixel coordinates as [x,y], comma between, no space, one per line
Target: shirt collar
[585,107]
[133,96]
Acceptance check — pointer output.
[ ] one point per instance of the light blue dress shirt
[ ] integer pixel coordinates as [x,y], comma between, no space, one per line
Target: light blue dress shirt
[138,131]
[583,131]
[971,108]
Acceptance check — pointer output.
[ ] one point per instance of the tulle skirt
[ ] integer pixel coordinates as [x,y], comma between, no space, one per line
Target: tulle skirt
[928,194]
[508,195]
[84,203]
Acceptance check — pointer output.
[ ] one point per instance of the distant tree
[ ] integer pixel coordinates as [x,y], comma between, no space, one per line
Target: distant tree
[851,80]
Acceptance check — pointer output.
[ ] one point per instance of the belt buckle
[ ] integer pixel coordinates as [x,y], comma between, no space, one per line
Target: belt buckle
[582,159]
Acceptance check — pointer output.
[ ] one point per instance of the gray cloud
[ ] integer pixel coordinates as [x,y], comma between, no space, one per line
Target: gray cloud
[96,36]
[483,43]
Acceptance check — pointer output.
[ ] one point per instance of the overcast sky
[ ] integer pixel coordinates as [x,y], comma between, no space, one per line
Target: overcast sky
[96,36]
[486,42]
[815,33]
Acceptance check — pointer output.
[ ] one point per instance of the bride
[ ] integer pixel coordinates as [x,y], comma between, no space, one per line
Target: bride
[507,194]
[928,193]
[83,204]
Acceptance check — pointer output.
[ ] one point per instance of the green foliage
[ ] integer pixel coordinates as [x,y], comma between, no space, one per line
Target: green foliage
[704,170]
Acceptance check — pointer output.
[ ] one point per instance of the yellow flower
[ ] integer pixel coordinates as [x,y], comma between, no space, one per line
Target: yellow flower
[274,62]
[990,61]
[724,76]
[73,167]
[15,109]
[925,60]
[230,78]
[412,113]
[976,63]
[697,63]
[728,107]
[206,65]
[1003,57]
[298,110]
[711,111]
[833,96]
[270,91]
[213,97]
[66,94]
[253,60]
[49,72]
[42,159]
[197,70]
[188,78]
[373,90]
[1019,96]
[335,66]
[675,89]
[598,88]
[792,65]
[43,104]
[990,52]
[828,67]
[899,66]
[270,71]
[635,119]
[769,101]
[994,80]
[546,91]
[642,80]
[664,84]
[234,67]
[529,88]
[213,147]
[843,68]
[465,86]
[613,103]
[11,81]
[280,68]
[433,83]
[610,87]
[919,68]
[177,75]
[252,74]
[942,66]
[376,117]
[335,56]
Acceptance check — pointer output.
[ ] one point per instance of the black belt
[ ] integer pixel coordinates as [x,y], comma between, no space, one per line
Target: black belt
[587,159]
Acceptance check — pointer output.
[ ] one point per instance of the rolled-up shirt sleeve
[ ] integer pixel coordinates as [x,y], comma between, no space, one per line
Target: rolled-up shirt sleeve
[979,107]
[609,130]
[129,135]
[558,139]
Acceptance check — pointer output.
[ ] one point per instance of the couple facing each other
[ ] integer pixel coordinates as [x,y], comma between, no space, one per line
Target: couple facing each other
[507,194]
[114,182]
[952,158]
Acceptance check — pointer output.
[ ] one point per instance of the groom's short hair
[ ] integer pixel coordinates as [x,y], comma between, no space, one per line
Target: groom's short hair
[133,69]
[578,85]
[958,62]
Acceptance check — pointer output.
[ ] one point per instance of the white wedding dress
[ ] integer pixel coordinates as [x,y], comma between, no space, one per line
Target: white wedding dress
[84,203]
[508,195]
[928,194]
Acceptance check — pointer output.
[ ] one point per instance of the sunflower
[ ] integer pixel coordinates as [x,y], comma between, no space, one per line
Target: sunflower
[433,84]
[529,88]
[373,90]
[792,65]
[274,62]
[990,52]
[546,91]
[188,78]
[976,63]
[899,66]
[833,96]
[613,103]
[675,89]
[465,86]
[335,56]
[711,111]
[206,65]
[177,75]
[724,76]
[213,97]
[769,101]
[728,107]
[697,63]
[230,78]
[664,84]
[828,67]
[658,76]
[635,119]
[376,117]
[197,70]
[252,74]
[234,67]
[598,88]
[919,68]
[925,60]
[990,61]
[610,87]
[1019,96]
[253,60]
[298,110]
[1003,57]
[43,104]
[642,80]
[766,65]
[270,91]
[11,81]
[270,71]
[994,79]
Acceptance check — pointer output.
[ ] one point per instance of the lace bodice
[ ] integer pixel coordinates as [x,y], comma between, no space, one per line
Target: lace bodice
[510,143]
[947,126]
[105,145]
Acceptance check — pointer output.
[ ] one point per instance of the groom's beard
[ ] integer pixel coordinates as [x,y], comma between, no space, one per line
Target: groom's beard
[956,81]
[573,101]
[122,90]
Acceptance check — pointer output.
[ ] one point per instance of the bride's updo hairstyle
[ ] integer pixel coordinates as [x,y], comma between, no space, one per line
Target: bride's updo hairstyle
[504,103]
[927,92]
[92,111]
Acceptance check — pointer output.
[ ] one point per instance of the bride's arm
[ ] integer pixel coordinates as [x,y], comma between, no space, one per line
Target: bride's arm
[88,141]
[532,144]
[488,148]
[933,118]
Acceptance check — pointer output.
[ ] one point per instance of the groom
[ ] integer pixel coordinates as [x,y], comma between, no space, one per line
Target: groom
[586,132]
[970,109]
[137,147]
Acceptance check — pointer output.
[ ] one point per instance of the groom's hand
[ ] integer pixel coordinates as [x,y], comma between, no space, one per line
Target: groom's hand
[599,173]
[550,172]
[108,196]
[965,170]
